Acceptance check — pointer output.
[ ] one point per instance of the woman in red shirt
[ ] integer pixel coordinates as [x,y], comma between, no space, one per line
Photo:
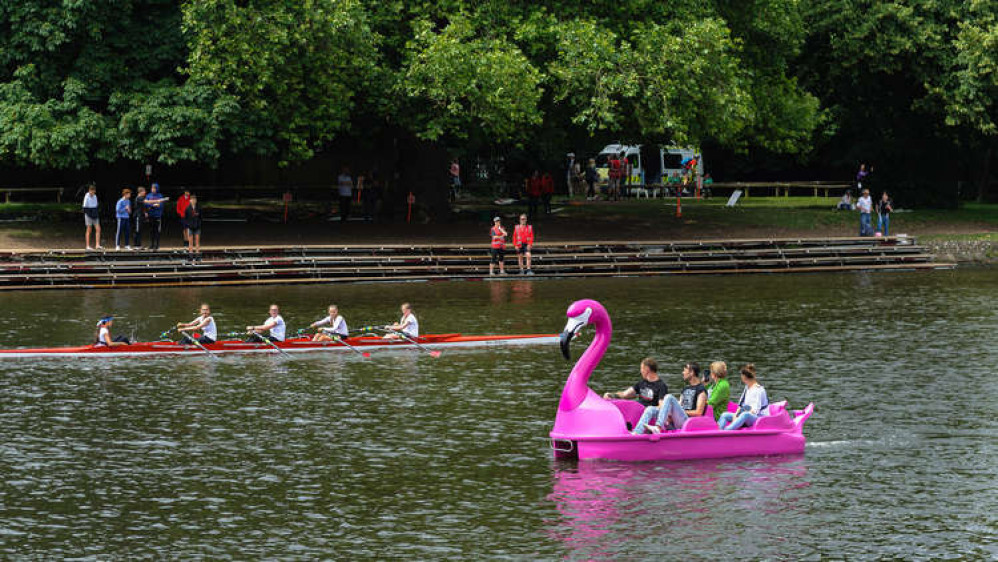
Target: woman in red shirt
[523,241]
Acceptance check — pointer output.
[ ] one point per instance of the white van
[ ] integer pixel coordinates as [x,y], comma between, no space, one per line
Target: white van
[650,165]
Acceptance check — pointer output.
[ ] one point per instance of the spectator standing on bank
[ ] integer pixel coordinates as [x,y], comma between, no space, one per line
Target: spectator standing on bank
[344,188]
[523,243]
[547,191]
[533,188]
[498,236]
[91,216]
[861,176]
[182,204]
[192,217]
[885,206]
[865,206]
[570,172]
[123,212]
[591,178]
[613,176]
[455,178]
[154,205]
[140,216]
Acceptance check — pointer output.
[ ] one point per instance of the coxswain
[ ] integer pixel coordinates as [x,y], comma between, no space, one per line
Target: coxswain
[337,325]
[407,325]
[274,324]
[104,334]
[203,322]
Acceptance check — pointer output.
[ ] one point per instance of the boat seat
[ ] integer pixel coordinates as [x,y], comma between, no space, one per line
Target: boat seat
[631,410]
[774,421]
[701,423]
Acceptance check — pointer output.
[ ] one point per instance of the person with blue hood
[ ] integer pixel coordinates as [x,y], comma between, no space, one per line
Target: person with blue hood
[154,204]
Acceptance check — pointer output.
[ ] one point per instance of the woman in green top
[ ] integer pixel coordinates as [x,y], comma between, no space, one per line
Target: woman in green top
[718,389]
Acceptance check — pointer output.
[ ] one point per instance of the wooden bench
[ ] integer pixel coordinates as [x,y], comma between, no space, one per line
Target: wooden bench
[8,190]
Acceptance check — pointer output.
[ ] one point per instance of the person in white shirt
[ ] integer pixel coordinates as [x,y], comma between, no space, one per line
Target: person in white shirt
[344,188]
[274,325]
[407,325]
[204,322]
[91,217]
[104,334]
[337,326]
[865,206]
[753,404]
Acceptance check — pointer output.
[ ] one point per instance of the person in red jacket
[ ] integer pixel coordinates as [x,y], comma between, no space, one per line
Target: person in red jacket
[523,241]
[533,189]
[547,191]
[498,234]
[182,204]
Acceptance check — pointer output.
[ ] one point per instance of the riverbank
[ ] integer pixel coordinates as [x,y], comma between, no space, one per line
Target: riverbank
[979,249]
[968,233]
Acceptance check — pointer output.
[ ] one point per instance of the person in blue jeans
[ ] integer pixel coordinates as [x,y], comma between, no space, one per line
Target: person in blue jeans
[884,209]
[752,405]
[123,211]
[672,413]
[865,206]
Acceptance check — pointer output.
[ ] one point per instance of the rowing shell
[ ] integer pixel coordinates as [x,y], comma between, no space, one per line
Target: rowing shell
[292,345]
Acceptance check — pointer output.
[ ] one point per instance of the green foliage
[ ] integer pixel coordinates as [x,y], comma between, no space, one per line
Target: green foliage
[294,67]
[461,81]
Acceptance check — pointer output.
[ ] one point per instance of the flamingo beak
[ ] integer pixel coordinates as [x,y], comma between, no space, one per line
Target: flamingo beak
[572,329]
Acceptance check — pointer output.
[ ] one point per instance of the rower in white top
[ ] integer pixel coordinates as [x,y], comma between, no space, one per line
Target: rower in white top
[407,325]
[203,322]
[337,326]
[274,325]
[104,334]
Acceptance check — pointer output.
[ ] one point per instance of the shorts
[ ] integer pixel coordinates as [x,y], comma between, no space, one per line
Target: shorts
[498,254]
[91,221]
[523,248]
[194,231]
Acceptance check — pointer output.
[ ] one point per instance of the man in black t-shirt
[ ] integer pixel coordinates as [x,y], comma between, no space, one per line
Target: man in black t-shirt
[649,390]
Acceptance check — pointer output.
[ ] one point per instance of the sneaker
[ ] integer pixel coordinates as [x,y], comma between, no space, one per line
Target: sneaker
[99,247]
[128,247]
[530,272]
[653,428]
[117,248]
[89,249]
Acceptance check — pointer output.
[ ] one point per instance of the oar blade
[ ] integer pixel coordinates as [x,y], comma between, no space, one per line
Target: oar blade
[434,354]
[366,355]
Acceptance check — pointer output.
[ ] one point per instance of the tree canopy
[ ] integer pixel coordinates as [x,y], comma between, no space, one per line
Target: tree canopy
[168,82]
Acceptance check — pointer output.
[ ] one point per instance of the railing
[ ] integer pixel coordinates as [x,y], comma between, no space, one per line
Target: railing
[783,188]
[8,190]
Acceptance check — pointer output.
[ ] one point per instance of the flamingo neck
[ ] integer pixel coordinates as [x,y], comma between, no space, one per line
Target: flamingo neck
[577,385]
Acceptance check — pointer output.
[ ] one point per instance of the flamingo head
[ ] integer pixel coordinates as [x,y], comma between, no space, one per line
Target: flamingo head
[579,315]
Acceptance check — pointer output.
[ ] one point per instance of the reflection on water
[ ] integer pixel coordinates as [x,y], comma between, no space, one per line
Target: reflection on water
[605,507]
[408,456]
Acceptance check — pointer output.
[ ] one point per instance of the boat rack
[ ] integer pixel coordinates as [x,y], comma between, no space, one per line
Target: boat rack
[56,269]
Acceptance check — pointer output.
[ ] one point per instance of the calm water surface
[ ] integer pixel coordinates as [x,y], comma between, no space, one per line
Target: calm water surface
[406,456]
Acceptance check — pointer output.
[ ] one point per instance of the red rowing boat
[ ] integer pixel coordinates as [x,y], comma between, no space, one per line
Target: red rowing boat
[291,345]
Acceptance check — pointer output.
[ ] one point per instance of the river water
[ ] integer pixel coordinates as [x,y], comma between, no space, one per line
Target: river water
[407,456]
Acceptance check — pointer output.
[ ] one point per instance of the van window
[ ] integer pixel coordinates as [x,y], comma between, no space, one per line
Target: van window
[673,161]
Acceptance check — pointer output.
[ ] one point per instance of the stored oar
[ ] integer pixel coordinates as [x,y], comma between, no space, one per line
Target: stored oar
[363,354]
[433,353]
[270,343]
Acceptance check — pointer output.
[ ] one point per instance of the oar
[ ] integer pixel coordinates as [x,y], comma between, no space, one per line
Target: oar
[433,353]
[363,354]
[270,343]
[203,348]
